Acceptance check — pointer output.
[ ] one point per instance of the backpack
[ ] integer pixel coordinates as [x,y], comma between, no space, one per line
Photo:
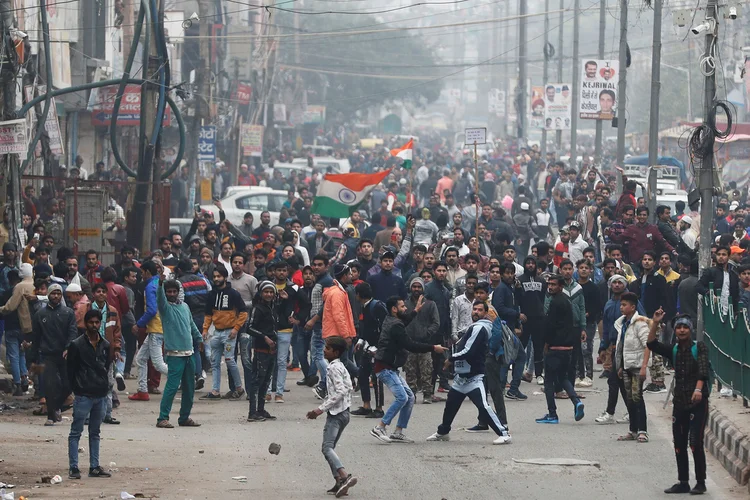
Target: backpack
[694,352]
[511,343]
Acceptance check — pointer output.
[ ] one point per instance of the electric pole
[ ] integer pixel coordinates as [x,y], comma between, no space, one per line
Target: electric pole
[522,51]
[599,123]
[622,82]
[706,174]
[653,126]
[545,74]
[560,41]
[576,89]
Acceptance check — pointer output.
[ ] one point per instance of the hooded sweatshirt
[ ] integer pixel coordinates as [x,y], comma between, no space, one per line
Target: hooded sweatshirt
[534,290]
[225,309]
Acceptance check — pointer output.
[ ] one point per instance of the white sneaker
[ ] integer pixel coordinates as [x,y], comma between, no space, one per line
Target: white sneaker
[587,382]
[579,382]
[540,380]
[624,420]
[399,437]
[605,418]
[380,433]
[439,437]
[503,440]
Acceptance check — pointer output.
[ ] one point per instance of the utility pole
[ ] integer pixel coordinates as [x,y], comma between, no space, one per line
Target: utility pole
[599,124]
[690,81]
[506,76]
[560,41]
[522,51]
[576,84]
[622,82]
[653,126]
[545,74]
[706,174]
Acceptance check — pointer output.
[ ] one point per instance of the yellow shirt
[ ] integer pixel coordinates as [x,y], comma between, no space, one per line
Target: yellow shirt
[672,276]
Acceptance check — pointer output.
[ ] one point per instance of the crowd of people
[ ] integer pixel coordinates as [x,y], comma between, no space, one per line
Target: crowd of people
[468,293]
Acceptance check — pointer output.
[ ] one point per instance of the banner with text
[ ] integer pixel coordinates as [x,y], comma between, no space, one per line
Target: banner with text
[557,104]
[252,140]
[598,89]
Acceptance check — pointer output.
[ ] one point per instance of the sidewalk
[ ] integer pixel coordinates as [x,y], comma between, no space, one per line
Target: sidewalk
[728,436]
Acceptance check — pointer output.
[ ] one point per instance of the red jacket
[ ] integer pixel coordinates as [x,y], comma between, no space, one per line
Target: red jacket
[640,238]
[118,298]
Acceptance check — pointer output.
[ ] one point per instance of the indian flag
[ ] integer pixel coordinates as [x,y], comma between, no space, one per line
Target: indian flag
[339,195]
[405,153]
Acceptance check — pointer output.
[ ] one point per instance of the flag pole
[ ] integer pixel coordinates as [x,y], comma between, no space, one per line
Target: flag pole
[476,188]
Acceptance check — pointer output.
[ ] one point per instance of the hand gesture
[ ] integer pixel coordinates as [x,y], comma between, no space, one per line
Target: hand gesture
[271,344]
[218,204]
[523,318]
[313,414]
[583,335]
[309,325]
[438,349]
[659,315]
[420,303]
[410,224]
[283,295]
[697,396]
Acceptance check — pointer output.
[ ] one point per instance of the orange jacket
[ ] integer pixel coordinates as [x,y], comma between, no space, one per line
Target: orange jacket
[338,319]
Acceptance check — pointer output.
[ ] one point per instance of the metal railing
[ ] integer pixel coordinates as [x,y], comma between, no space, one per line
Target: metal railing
[728,339]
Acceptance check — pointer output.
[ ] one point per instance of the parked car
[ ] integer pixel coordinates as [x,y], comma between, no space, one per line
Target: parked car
[242,199]
[339,165]
[302,171]
[181,225]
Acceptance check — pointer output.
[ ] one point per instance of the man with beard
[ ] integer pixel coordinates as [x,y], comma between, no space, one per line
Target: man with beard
[641,237]
[471,265]
[468,361]
[226,311]
[461,308]
[423,326]
[532,314]
[561,247]
[439,291]
[504,302]
[393,348]
[73,276]
[509,255]
[386,283]
[176,244]
[454,270]
[261,232]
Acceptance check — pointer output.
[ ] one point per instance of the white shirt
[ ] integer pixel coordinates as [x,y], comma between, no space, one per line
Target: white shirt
[339,386]
[724,299]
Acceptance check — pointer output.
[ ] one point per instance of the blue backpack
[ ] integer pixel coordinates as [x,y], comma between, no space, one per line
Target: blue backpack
[694,352]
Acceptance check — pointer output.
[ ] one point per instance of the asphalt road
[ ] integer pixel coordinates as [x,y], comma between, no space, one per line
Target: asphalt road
[184,463]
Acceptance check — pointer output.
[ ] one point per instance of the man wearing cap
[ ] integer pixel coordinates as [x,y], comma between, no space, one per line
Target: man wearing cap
[423,327]
[386,283]
[577,244]
[687,234]
[53,328]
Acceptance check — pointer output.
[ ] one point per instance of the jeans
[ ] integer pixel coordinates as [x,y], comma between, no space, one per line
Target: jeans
[222,345]
[690,422]
[556,367]
[518,366]
[92,409]
[318,361]
[180,372]
[15,354]
[263,365]
[403,401]
[197,360]
[302,347]
[335,425]
[282,358]
[245,348]
[615,387]
[151,349]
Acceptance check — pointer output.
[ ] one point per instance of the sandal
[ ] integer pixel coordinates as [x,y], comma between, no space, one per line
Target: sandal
[189,423]
[211,395]
[164,424]
[627,437]
[643,437]
[41,411]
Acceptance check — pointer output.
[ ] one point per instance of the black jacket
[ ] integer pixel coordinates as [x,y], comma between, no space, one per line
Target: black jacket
[262,323]
[532,298]
[371,321]
[53,328]
[88,367]
[394,345]
[715,275]
[286,307]
[655,295]
[561,324]
[440,294]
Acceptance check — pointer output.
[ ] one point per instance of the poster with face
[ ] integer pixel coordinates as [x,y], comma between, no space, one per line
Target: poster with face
[537,107]
[598,89]
[557,104]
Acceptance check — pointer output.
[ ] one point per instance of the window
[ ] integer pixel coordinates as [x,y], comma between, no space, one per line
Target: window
[276,202]
[253,202]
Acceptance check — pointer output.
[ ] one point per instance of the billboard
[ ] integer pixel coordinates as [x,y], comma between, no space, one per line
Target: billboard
[598,89]
[557,104]
[536,107]
[129,113]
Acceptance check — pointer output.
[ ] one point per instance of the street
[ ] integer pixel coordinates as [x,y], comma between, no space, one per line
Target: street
[184,463]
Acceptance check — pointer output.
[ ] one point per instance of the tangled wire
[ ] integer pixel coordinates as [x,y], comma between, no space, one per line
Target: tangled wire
[701,140]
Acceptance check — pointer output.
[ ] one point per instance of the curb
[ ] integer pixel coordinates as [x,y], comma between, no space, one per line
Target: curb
[729,445]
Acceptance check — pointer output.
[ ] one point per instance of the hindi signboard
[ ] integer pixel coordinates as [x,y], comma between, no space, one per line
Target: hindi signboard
[557,104]
[13,137]
[475,136]
[252,140]
[52,126]
[207,143]
[598,90]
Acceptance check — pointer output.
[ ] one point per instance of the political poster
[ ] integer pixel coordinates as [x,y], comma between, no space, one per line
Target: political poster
[557,104]
[598,89]
[251,139]
[536,107]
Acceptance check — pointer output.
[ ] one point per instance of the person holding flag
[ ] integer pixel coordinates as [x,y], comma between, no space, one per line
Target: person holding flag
[339,195]
[405,152]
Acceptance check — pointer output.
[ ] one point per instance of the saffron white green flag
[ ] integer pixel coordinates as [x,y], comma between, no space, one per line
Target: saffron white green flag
[339,195]
[405,153]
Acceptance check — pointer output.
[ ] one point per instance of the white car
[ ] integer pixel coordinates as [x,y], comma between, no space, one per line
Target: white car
[339,165]
[302,171]
[242,199]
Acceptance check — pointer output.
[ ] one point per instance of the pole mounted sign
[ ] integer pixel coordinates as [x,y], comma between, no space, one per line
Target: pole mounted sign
[207,143]
[475,136]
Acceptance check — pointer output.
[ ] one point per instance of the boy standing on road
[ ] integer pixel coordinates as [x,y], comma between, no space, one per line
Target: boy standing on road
[88,363]
[336,405]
